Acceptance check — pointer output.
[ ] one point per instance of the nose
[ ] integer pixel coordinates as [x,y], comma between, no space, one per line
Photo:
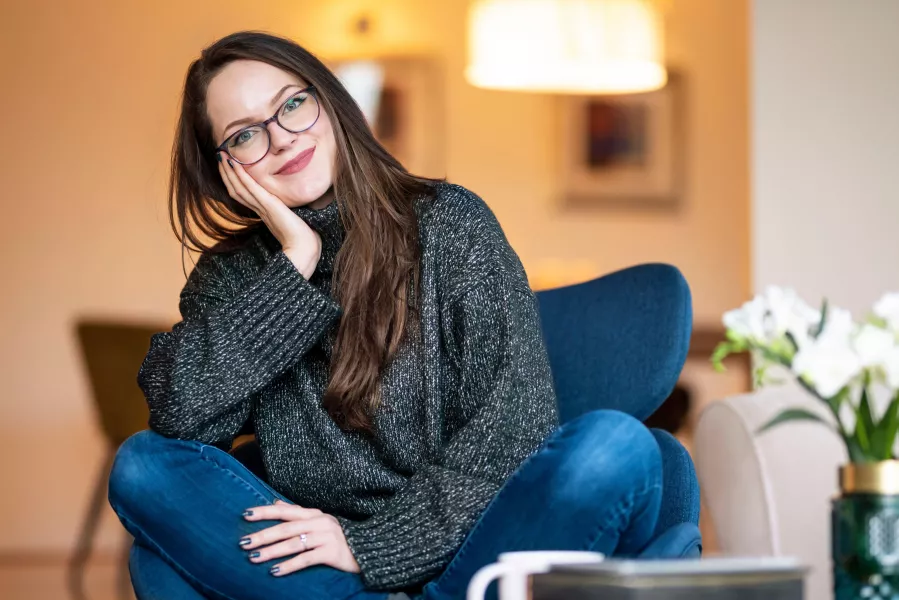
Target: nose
[281,138]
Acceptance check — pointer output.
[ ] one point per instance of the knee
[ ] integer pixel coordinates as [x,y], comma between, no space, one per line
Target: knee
[607,448]
[138,467]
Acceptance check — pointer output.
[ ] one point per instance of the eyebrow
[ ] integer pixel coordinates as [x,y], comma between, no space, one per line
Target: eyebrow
[249,120]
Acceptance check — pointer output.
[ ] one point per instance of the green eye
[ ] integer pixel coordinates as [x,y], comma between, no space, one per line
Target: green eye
[294,103]
[243,137]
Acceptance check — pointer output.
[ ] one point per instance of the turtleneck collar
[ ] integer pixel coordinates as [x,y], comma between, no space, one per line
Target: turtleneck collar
[326,221]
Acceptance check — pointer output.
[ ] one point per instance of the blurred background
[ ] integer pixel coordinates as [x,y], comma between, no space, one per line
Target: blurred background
[766,156]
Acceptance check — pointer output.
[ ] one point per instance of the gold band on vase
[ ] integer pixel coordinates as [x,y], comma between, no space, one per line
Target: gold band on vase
[870,478]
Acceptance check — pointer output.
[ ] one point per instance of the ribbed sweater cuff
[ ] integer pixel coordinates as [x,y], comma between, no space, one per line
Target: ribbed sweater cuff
[412,545]
[280,315]
[391,557]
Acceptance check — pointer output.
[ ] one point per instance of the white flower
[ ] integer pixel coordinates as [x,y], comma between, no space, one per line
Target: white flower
[748,321]
[771,315]
[829,362]
[826,367]
[791,314]
[873,345]
[891,368]
[887,308]
[878,351]
[839,327]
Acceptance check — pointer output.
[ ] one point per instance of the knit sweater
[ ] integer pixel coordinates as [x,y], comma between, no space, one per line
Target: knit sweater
[467,398]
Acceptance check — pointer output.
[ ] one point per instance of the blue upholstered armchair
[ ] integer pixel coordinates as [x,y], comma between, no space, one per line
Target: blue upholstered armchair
[620,342]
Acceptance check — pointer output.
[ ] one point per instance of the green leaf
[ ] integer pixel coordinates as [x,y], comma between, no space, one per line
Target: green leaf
[725,349]
[864,426]
[792,339]
[793,414]
[877,321]
[888,426]
[824,311]
[733,336]
[856,454]
[833,403]
[773,357]
[722,351]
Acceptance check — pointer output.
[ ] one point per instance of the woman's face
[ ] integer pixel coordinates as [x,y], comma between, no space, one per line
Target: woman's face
[246,92]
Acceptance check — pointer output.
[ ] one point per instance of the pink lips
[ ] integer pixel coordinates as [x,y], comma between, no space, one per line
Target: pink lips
[297,164]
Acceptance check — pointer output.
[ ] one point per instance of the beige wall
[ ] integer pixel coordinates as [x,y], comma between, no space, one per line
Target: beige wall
[88,106]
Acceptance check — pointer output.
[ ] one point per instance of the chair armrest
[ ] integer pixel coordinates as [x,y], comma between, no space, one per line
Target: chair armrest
[769,493]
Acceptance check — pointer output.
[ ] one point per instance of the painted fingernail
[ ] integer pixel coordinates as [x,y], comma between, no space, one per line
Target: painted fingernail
[245,541]
[219,156]
[274,570]
[230,164]
[248,513]
[255,554]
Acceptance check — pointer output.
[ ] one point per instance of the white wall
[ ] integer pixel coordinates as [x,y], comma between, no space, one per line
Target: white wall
[825,164]
[825,135]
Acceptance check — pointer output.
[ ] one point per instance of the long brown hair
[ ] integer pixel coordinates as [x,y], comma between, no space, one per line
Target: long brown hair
[377,264]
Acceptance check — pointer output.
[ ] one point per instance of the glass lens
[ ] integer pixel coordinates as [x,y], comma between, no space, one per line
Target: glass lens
[248,145]
[299,113]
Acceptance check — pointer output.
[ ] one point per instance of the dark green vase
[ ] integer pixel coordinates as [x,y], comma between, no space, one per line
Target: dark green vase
[865,533]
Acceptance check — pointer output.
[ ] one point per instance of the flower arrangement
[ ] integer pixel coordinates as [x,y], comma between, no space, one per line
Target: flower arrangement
[837,360]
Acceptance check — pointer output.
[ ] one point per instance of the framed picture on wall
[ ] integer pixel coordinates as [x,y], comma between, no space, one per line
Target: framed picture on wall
[624,150]
[408,111]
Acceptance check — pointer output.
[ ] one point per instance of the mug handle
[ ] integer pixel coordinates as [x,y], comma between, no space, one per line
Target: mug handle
[477,587]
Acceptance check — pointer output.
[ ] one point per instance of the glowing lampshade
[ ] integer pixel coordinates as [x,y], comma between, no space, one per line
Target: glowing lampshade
[566,46]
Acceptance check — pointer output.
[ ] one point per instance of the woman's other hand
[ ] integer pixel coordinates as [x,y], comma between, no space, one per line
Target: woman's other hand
[308,535]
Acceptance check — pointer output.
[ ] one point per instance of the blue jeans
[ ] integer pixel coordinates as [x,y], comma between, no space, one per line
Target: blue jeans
[595,484]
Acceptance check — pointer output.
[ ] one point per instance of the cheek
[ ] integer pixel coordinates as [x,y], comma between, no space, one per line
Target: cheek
[259,172]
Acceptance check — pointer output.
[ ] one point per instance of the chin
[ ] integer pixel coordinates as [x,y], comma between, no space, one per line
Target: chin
[303,194]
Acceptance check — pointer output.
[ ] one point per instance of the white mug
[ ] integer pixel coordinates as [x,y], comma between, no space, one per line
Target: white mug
[513,569]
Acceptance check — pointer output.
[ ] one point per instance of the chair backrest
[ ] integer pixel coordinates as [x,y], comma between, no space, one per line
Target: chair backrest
[113,352]
[619,341]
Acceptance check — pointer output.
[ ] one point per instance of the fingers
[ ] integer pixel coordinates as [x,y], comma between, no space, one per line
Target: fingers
[320,556]
[283,531]
[235,188]
[292,546]
[309,536]
[247,186]
[282,511]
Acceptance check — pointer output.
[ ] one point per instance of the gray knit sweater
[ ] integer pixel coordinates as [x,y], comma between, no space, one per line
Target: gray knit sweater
[466,400]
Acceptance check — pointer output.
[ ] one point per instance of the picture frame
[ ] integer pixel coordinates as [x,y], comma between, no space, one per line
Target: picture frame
[622,150]
[410,119]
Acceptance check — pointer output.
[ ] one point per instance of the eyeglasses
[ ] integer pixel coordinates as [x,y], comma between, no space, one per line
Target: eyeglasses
[297,114]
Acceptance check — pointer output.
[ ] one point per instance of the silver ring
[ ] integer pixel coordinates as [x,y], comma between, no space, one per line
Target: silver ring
[303,540]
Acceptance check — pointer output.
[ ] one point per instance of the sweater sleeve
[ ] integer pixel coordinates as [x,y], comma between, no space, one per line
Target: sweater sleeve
[508,407]
[199,378]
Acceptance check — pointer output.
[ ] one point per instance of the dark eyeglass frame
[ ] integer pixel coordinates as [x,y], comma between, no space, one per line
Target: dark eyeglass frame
[264,124]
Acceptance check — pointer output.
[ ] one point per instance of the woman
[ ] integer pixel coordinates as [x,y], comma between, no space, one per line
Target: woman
[378,332]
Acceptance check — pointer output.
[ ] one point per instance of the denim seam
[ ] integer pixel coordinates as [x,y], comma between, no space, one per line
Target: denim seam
[252,489]
[618,510]
[684,552]
[162,554]
[603,525]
